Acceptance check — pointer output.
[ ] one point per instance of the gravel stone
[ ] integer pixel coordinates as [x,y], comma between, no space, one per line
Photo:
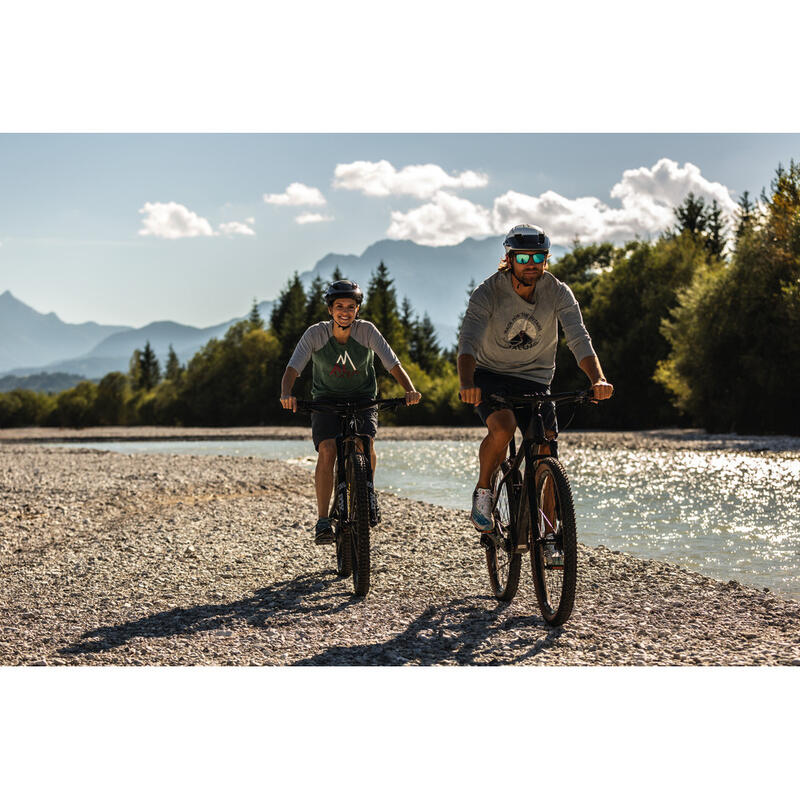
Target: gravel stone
[160,559]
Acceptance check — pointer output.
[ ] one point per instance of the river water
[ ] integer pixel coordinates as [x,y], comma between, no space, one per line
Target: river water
[727,514]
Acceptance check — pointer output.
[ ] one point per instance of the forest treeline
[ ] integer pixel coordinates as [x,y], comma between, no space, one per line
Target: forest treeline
[699,327]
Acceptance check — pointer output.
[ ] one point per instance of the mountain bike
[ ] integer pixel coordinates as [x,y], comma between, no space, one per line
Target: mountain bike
[354,509]
[534,513]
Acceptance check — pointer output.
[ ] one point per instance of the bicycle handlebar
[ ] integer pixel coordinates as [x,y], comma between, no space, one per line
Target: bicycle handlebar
[345,406]
[585,396]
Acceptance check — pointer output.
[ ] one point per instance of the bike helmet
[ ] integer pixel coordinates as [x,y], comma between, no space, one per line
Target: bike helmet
[526,237]
[344,288]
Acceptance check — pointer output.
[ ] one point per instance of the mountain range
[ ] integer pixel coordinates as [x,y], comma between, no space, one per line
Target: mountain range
[435,280]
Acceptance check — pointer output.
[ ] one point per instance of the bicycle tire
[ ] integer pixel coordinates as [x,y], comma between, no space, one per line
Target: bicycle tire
[344,557]
[358,500]
[503,565]
[555,585]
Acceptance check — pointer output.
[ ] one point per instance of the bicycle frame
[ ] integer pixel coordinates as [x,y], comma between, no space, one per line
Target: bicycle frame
[528,453]
[346,443]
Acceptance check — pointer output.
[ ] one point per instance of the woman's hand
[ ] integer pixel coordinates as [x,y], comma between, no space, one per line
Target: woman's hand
[289,402]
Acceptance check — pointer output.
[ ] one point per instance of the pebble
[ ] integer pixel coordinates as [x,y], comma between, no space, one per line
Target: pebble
[108,592]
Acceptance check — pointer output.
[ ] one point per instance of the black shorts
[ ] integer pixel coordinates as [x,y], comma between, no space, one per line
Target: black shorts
[325,425]
[494,383]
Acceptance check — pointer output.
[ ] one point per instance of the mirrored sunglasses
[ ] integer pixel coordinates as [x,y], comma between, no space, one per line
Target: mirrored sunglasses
[524,258]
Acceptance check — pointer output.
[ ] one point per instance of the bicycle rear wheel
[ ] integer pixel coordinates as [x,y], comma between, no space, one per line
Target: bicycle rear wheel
[502,562]
[554,545]
[358,502]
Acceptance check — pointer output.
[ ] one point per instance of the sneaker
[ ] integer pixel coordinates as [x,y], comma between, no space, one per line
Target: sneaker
[481,516]
[323,532]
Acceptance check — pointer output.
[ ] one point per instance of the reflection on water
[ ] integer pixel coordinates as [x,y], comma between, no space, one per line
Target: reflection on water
[730,515]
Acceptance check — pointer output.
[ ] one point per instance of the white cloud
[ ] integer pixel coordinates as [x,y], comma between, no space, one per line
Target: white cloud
[250,220]
[446,220]
[647,196]
[297,194]
[380,179]
[172,221]
[305,219]
[233,228]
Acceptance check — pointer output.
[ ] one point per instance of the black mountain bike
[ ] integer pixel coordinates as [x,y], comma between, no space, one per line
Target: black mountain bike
[533,512]
[355,506]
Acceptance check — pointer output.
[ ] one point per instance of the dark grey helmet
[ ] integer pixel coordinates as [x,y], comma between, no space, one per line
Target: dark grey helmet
[526,237]
[344,288]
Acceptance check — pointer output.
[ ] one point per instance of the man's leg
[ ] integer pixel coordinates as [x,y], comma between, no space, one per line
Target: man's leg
[501,425]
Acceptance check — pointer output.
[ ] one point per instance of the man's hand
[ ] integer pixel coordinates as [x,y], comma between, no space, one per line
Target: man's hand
[602,389]
[289,402]
[412,398]
[470,394]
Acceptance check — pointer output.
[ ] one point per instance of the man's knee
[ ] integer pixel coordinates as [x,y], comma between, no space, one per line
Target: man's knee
[502,426]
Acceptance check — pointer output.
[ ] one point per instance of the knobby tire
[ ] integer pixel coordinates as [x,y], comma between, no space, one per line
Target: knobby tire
[555,588]
[503,567]
[358,501]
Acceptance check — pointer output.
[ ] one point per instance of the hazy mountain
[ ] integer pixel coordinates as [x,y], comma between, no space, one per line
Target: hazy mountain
[435,279]
[29,337]
[52,382]
[114,352]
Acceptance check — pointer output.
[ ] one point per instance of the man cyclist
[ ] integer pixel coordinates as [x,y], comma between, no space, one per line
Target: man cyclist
[508,346]
[341,350]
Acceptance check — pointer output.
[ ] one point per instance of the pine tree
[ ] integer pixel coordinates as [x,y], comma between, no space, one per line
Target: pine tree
[255,320]
[406,317]
[691,215]
[715,237]
[288,317]
[173,369]
[337,275]
[380,308]
[745,215]
[149,368]
[424,348]
[135,369]
[316,309]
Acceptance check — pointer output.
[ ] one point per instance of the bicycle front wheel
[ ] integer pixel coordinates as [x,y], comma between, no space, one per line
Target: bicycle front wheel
[358,513]
[502,562]
[554,544]
[344,561]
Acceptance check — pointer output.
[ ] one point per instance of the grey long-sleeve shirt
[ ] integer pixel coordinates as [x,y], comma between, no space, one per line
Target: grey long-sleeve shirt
[508,335]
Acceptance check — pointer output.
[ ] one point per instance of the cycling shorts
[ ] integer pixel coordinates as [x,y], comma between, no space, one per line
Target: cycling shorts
[325,425]
[494,383]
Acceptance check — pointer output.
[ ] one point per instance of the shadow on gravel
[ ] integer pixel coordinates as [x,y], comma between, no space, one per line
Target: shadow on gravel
[274,606]
[459,632]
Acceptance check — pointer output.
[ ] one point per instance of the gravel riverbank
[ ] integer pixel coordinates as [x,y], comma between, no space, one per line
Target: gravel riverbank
[164,559]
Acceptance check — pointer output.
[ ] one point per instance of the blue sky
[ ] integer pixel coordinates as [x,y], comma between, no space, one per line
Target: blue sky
[83,229]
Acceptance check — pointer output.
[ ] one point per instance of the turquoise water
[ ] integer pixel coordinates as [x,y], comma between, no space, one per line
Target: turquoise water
[727,514]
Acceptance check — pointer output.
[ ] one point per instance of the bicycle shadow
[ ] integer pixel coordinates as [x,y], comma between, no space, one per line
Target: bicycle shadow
[460,631]
[273,606]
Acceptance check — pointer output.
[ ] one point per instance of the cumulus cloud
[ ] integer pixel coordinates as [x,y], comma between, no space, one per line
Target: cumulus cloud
[381,178]
[446,220]
[305,219]
[172,221]
[647,196]
[236,228]
[297,194]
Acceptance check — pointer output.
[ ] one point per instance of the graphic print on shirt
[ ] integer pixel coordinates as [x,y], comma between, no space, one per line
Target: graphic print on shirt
[522,332]
[340,368]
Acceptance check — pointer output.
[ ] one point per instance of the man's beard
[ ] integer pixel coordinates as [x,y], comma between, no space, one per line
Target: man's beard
[524,282]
